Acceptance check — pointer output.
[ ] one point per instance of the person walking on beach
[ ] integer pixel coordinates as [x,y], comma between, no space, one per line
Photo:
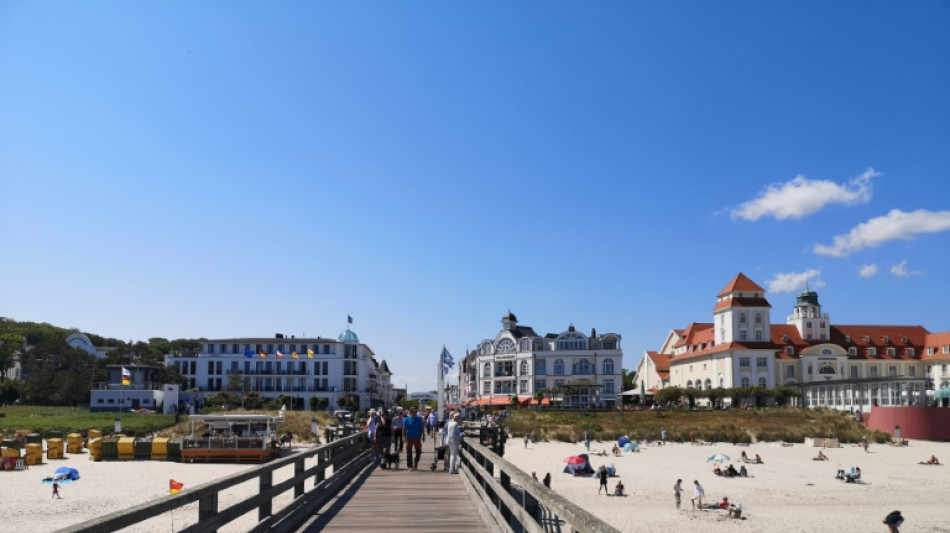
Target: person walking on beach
[892,520]
[412,428]
[663,435]
[547,480]
[56,491]
[526,439]
[587,440]
[677,491]
[602,475]
[698,494]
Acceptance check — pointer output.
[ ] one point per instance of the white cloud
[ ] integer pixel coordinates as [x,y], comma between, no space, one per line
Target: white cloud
[802,196]
[900,270]
[793,281]
[879,230]
[867,271]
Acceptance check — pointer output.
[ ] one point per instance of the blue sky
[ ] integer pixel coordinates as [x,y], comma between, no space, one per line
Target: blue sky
[219,169]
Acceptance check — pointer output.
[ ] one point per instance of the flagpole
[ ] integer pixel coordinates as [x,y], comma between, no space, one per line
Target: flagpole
[441,404]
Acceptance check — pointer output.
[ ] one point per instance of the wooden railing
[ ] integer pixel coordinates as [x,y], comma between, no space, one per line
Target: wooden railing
[517,501]
[342,458]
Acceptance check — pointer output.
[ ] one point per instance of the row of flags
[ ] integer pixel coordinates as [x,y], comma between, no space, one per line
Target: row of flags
[249,354]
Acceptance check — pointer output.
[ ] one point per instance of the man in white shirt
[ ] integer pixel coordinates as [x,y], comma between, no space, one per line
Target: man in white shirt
[454,435]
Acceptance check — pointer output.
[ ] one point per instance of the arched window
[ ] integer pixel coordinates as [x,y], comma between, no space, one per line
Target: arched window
[525,345]
[524,368]
[559,367]
[699,385]
[583,367]
[572,341]
[608,366]
[762,382]
[826,369]
[708,384]
[689,384]
[505,346]
[744,382]
[486,370]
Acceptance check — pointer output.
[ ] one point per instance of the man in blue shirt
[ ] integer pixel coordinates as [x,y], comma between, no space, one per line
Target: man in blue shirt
[412,427]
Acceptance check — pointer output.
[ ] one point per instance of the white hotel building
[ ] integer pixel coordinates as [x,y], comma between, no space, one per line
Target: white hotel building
[302,368]
[847,367]
[586,370]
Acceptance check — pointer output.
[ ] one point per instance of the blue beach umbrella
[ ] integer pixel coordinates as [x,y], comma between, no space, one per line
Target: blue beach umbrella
[719,457]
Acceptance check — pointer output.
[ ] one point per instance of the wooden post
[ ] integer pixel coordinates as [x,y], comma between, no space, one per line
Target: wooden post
[208,506]
[298,471]
[266,482]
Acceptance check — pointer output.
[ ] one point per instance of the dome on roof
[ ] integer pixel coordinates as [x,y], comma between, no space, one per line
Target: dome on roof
[348,337]
[807,297]
[509,316]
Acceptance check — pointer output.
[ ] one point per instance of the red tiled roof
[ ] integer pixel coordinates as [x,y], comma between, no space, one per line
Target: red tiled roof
[740,283]
[936,341]
[741,302]
[660,361]
[691,335]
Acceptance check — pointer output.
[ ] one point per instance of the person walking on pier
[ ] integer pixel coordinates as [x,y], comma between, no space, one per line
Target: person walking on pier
[397,432]
[412,428]
[384,432]
[454,439]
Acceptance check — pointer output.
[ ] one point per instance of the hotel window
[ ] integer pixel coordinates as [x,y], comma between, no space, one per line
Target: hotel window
[540,384]
[234,348]
[558,382]
[946,348]
[524,368]
[790,371]
[910,352]
[742,318]
[854,371]
[912,371]
[559,367]
[872,351]
[821,325]
[761,362]
[892,371]
[892,352]
[852,351]
[808,325]
[523,386]
[486,387]
[873,371]
[540,367]
[270,348]
[211,348]
[608,366]
[744,382]
[744,361]
[758,318]
[609,386]
[742,335]
[763,382]
[789,350]
[758,334]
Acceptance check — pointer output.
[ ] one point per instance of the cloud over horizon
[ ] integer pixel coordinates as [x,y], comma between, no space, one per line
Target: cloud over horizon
[802,196]
[793,281]
[900,270]
[867,271]
[879,230]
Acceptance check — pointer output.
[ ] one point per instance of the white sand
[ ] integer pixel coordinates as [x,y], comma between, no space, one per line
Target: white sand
[789,493]
[107,487]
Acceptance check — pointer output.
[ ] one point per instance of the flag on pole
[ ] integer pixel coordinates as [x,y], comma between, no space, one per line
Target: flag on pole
[445,361]
[295,355]
[280,355]
[349,319]
[309,353]
[174,487]
[126,376]
[248,353]
[262,354]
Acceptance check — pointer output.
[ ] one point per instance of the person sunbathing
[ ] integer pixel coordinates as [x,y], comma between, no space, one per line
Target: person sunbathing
[932,461]
[717,470]
[616,450]
[758,460]
[821,456]
[724,504]
[743,472]
[731,471]
[745,458]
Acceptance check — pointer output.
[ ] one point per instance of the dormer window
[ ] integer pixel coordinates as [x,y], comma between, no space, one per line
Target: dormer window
[887,339]
[789,350]
[785,337]
[847,338]
[911,352]
[872,351]
[891,352]
[852,351]
[867,339]
[905,339]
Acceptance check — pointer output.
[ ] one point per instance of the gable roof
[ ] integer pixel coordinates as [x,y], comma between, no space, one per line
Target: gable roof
[740,283]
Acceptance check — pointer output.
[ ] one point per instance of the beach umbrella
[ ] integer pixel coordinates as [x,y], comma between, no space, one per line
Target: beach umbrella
[719,457]
[623,441]
[575,460]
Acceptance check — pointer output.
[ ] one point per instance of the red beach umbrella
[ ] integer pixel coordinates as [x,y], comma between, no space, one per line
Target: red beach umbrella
[575,460]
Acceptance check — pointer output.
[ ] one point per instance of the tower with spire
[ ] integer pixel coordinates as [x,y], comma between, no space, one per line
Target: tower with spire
[807,317]
[741,313]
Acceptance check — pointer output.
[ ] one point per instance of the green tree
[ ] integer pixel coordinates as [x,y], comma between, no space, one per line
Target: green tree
[629,379]
[10,344]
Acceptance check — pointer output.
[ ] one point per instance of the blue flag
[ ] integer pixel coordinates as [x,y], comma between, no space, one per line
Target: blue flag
[445,361]
[248,353]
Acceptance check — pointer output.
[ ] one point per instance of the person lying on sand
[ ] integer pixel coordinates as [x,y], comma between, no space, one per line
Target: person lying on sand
[821,456]
[932,461]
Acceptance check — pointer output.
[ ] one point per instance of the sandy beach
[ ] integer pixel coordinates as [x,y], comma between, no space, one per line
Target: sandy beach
[788,493]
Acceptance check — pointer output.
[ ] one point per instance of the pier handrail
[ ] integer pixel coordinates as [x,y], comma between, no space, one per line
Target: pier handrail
[539,510]
[344,457]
